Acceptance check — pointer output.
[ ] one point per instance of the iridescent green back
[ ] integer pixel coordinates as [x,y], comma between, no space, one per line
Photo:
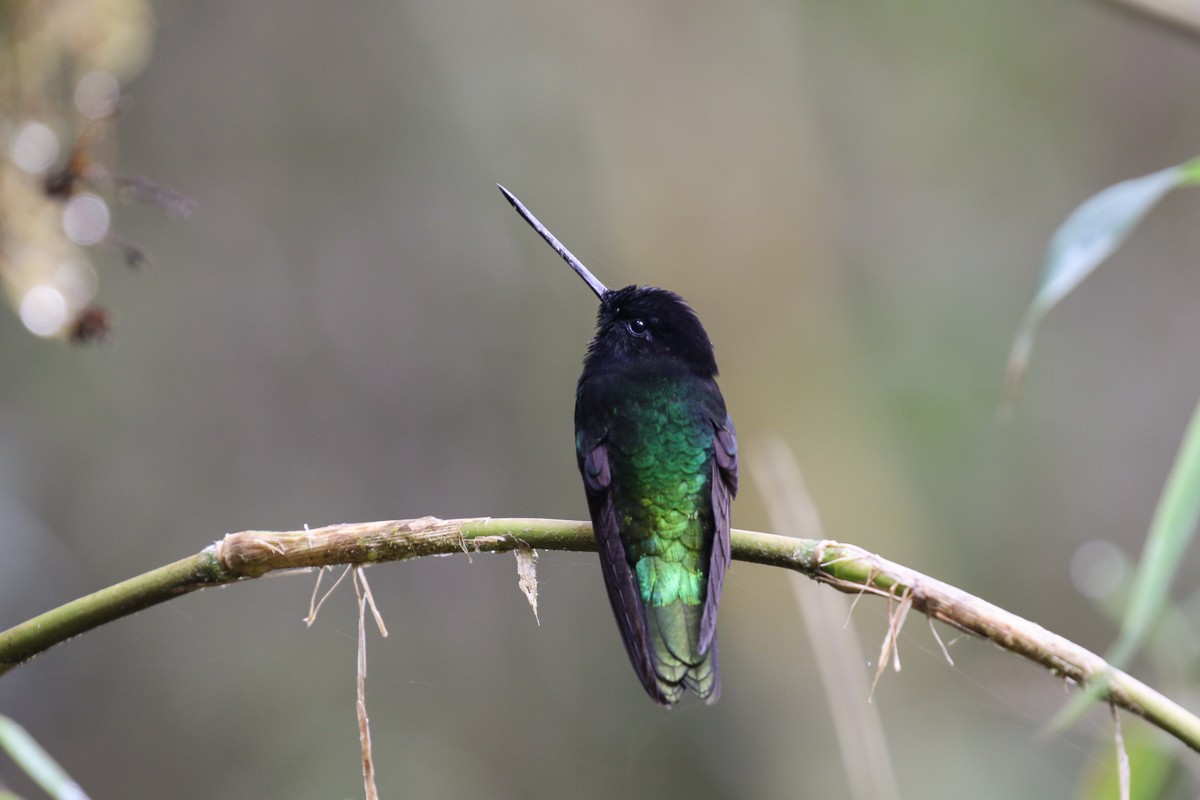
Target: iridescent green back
[660,449]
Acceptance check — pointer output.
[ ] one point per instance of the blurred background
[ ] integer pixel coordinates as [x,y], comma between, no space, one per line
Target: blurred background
[355,326]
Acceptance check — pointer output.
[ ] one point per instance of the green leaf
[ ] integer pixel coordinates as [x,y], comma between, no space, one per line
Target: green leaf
[1175,520]
[1091,233]
[37,763]
[1191,173]
[1088,236]
[1171,531]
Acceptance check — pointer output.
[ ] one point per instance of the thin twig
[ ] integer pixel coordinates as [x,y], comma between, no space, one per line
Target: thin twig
[364,723]
[361,575]
[891,640]
[313,610]
[313,606]
[937,637]
[1124,778]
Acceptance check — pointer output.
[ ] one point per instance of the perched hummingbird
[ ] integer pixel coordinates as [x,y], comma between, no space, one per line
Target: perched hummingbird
[658,456]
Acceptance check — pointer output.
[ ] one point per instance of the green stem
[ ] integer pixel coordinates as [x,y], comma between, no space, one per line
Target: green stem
[251,554]
[23,642]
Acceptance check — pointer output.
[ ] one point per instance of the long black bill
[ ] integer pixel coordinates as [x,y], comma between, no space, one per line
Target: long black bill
[599,288]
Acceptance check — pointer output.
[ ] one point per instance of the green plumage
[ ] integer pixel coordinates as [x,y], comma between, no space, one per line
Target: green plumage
[661,472]
[660,454]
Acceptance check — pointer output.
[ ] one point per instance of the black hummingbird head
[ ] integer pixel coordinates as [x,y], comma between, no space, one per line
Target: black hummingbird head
[637,323]
[645,323]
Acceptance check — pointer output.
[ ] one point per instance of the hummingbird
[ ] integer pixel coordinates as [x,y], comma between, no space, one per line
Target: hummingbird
[658,455]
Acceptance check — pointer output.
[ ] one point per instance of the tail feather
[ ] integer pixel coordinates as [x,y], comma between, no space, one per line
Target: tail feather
[705,678]
[674,637]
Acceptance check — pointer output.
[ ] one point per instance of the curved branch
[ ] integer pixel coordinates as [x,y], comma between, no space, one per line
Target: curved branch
[251,554]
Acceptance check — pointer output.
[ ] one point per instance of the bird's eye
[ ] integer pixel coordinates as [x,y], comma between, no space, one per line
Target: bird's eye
[637,327]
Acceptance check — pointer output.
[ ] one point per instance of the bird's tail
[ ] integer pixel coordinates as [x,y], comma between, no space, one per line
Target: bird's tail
[674,634]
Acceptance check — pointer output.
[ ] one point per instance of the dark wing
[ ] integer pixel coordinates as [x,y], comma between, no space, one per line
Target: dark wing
[618,578]
[724,487]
